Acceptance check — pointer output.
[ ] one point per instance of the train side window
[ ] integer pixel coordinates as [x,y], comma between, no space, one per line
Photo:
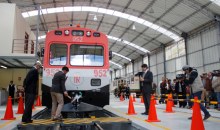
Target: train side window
[58,54]
[86,55]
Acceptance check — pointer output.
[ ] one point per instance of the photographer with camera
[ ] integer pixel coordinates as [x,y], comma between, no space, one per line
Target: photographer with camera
[216,87]
[196,86]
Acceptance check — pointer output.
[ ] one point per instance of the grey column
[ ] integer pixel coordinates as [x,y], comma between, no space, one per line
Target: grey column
[132,66]
[115,72]
[184,35]
[164,59]
[125,70]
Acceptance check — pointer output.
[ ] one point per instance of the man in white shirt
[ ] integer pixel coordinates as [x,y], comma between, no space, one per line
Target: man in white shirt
[11,89]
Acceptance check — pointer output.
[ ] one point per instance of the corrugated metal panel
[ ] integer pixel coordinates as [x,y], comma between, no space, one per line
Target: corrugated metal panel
[160,57]
[113,75]
[139,65]
[211,55]
[180,62]
[153,60]
[136,67]
[210,68]
[170,65]
[210,38]
[171,76]
[153,69]
[194,44]
[195,59]
[160,68]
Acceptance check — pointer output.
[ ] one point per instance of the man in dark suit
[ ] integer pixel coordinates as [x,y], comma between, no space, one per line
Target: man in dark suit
[147,87]
[57,90]
[30,86]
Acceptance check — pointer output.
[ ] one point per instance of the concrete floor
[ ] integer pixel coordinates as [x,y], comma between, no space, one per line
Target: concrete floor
[169,121]
[12,124]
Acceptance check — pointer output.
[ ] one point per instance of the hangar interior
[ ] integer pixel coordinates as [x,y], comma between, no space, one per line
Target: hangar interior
[164,34]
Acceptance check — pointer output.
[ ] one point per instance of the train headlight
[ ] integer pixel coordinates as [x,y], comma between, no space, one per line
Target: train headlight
[88,33]
[67,32]
[95,82]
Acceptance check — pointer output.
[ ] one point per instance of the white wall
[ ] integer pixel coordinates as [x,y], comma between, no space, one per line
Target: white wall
[13,26]
[7,14]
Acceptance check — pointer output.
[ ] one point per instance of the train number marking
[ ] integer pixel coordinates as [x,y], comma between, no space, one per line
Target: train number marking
[78,39]
[76,78]
[51,72]
[100,73]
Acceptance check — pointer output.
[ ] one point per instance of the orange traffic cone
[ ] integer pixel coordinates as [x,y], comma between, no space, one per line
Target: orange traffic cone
[9,111]
[38,101]
[169,106]
[131,107]
[142,100]
[122,99]
[152,117]
[20,106]
[134,98]
[197,122]
[33,107]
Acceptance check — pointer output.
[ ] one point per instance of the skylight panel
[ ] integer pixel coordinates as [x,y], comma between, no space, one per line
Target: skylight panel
[85,8]
[59,9]
[44,11]
[25,14]
[115,64]
[125,42]
[162,30]
[44,36]
[116,13]
[101,10]
[168,33]
[51,10]
[114,38]
[216,2]
[125,16]
[33,13]
[154,26]
[139,20]
[146,23]
[77,8]
[110,12]
[94,9]
[68,9]
[132,18]
[121,56]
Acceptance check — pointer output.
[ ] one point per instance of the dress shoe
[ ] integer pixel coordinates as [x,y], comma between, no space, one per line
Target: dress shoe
[145,113]
[206,117]
[190,118]
[29,121]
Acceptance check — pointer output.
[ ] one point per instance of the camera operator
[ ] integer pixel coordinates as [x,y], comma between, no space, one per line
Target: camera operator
[216,87]
[196,86]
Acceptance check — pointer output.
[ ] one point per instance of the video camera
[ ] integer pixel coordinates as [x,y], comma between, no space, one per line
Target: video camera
[180,76]
[216,73]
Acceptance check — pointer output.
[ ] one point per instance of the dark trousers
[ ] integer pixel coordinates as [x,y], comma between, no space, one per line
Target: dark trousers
[127,95]
[146,97]
[12,96]
[182,103]
[29,101]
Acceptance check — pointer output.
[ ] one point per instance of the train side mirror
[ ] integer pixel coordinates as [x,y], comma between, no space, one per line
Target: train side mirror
[110,55]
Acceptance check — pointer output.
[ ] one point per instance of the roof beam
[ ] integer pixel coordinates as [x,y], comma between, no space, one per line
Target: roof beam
[45,28]
[104,15]
[87,14]
[19,62]
[72,12]
[54,2]
[9,63]
[129,2]
[150,5]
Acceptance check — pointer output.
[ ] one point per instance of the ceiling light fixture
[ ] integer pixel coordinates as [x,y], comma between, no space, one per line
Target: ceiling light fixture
[95,18]
[133,27]
[151,11]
